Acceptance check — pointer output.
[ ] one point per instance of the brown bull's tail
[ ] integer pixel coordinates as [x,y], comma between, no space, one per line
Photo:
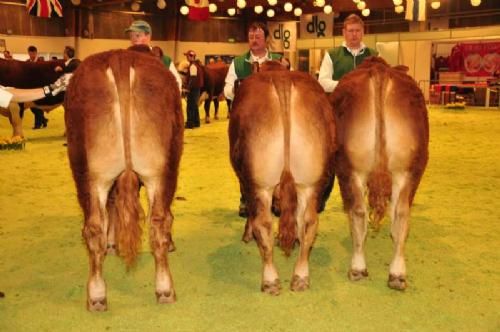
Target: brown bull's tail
[127,226]
[379,181]
[288,205]
[288,192]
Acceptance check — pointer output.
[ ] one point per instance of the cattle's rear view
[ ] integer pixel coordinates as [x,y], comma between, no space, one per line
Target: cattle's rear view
[124,128]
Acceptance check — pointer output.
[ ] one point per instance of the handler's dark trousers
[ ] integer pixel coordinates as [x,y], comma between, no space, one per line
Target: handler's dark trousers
[193,116]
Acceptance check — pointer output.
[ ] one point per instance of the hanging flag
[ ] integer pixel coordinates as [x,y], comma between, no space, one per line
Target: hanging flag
[198,10]
[44,8]
[415,10]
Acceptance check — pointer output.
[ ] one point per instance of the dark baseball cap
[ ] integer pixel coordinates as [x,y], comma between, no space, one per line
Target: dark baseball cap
[139,26]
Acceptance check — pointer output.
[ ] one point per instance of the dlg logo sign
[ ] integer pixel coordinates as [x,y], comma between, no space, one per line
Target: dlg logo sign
[316,26]
[284,35]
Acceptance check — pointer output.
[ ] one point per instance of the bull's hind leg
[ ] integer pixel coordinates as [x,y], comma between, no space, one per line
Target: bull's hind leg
[94,232]
[262,227]
[307,222]
[356,209]
[400,215]
[161,220]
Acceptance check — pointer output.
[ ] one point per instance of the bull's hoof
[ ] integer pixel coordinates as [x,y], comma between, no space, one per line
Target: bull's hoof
[397,282]
[97,305]
[271,288]
[216,117]
[165,297]
[355,275]
[299,284]
[207,120]
[171,246]
[111,250]
[247,235]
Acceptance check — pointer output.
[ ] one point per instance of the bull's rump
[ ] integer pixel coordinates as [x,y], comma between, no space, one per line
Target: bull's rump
[381,113]
[257,129]
[96,121]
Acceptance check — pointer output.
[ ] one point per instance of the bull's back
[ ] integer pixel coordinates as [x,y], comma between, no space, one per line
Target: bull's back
[118,113]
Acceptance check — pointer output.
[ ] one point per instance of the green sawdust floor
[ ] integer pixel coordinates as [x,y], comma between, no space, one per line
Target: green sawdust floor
[453,251]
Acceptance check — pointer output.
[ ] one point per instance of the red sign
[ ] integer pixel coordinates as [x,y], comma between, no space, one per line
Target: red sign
[476,59]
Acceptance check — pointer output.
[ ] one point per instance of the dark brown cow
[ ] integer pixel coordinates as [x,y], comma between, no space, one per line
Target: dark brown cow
[282,132]
[21,74]
[383,136]
[27,75]
[124,127]
[214,75]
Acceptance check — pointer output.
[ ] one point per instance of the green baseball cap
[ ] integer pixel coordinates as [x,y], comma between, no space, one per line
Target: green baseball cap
[139,26]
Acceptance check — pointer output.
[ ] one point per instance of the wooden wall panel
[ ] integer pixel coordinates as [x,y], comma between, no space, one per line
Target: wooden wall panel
[15,20]
[214,30]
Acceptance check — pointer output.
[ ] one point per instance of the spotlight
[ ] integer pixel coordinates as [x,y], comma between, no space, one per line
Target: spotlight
[288,7]
[258,9]
[328,9]
[270,13]
[365,12]
[297,11]
[212,7]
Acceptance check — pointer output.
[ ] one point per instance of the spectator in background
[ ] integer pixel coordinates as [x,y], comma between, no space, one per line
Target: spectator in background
[194,85]
[7,55]
[140,34]
[71,63]
[40,120]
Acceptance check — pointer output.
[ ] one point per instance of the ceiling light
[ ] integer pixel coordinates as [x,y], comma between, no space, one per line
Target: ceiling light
[297,11]
[288,7]
[231,11]
[184,10]
[258,9]
[135,6]
[212,7]
[241,4]
[272,2]
[399,9]
[328,9]
[365,12]
[270,13]
[361,5]
[397,2]
[161,4]
[435,4]
[475,3]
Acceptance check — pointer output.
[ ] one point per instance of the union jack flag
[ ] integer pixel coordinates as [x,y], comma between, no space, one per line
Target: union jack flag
[44,8]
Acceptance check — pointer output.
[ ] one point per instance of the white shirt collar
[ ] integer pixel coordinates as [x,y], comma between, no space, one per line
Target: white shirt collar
[260,60]
[355,52]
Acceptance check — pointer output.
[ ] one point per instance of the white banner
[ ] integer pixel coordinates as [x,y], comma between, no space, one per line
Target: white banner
[316,26]
[283,36]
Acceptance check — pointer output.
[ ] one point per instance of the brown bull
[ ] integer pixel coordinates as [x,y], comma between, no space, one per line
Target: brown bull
[383,136]
[282,133]
[124,128]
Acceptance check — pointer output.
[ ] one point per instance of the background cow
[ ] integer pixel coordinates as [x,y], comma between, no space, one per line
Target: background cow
[282,132]
[26,75]
[214,75]
[383,136]
[124,128]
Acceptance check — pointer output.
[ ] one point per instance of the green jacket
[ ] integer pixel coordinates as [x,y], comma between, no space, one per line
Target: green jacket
[344,62]
[166,61]
[243,67]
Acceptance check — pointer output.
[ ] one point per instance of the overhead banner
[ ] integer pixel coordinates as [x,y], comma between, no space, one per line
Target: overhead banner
[283,36]
[316,26]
